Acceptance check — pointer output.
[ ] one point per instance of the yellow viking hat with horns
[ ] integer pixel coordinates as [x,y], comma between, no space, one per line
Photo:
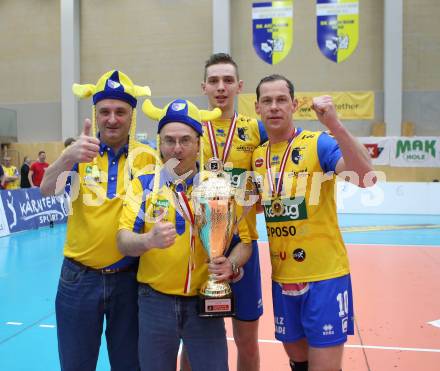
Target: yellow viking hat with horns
[178,110]
[113,84]
[183,111]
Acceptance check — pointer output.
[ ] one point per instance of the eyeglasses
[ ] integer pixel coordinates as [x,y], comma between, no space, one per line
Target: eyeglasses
[183,142]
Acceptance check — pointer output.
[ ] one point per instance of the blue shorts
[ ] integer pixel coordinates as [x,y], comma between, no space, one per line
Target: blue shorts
[320,311]
[247,290]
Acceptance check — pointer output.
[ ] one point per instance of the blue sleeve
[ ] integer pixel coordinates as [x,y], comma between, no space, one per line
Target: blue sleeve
[1,171]
[75,169]
[328,152]
[147,182]
[262,130]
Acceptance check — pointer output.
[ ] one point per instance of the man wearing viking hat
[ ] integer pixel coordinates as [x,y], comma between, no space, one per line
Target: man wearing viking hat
[157,224]
[97,281]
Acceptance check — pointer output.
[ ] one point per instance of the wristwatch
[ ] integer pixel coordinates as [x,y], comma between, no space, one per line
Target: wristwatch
[235,267]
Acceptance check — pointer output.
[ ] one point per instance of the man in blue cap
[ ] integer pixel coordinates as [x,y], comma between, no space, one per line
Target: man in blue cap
[157,224]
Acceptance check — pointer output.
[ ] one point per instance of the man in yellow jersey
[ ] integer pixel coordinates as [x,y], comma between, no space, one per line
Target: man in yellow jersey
[97,281]
[11,177]
[157,225]
[232,138]
[295,169]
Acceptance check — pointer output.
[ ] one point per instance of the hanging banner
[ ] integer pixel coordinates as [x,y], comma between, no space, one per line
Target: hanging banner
[350,105]
[337,31]
[272,29]
[379,149]
[415,152]
[4,229]
[28,209]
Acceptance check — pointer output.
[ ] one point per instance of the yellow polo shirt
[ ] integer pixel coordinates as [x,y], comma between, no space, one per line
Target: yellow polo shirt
[165,270]
[97,205]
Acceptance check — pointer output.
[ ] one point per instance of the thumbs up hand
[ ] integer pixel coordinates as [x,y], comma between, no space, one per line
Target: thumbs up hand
[85,148]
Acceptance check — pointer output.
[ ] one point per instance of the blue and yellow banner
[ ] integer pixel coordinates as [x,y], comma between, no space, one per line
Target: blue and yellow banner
[272,26]
[27,208]
[350,105]
[337,24]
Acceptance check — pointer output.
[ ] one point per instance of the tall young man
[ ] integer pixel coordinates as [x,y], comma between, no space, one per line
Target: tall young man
[232,139]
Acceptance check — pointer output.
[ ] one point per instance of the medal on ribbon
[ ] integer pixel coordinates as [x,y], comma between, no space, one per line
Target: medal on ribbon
[276,185]
[214,164]
[277,206]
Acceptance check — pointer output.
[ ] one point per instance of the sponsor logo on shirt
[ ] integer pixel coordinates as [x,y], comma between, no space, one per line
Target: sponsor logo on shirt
[294,209]
[220,133]
[245,148]
[275,160]
[259,162]
[299,255]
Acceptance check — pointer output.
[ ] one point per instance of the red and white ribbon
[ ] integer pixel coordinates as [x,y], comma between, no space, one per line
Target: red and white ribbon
[276,187]
[228,143]
[189,216]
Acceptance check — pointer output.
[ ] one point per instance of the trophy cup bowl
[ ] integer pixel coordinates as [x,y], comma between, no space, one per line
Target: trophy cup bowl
[215,218]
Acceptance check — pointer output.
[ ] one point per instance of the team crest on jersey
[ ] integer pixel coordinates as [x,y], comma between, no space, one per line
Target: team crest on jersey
[296,155]
[242,134]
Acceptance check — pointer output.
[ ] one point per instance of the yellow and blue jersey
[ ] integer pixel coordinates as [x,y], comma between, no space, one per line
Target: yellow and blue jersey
[305,241]
[97,204]
[249,134]
[11,171]
[165,270]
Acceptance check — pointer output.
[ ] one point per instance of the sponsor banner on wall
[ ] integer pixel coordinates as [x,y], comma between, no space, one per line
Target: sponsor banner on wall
[272,30]
[356,105]
[27,209]
[4,229]
[337,28]
[379,149]
[415,152]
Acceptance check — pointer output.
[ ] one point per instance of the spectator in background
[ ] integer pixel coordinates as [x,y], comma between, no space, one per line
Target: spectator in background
[2,175]
[11,177]
[24,173]
[37,169]
[69,141]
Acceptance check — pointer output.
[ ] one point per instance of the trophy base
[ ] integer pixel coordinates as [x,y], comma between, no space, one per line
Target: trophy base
[210,307]
[216,299]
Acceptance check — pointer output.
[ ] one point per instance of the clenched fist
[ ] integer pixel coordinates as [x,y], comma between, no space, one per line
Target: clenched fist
[162,235]
[326,112]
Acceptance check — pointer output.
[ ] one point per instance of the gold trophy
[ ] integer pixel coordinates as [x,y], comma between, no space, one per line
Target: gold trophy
[215,219]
